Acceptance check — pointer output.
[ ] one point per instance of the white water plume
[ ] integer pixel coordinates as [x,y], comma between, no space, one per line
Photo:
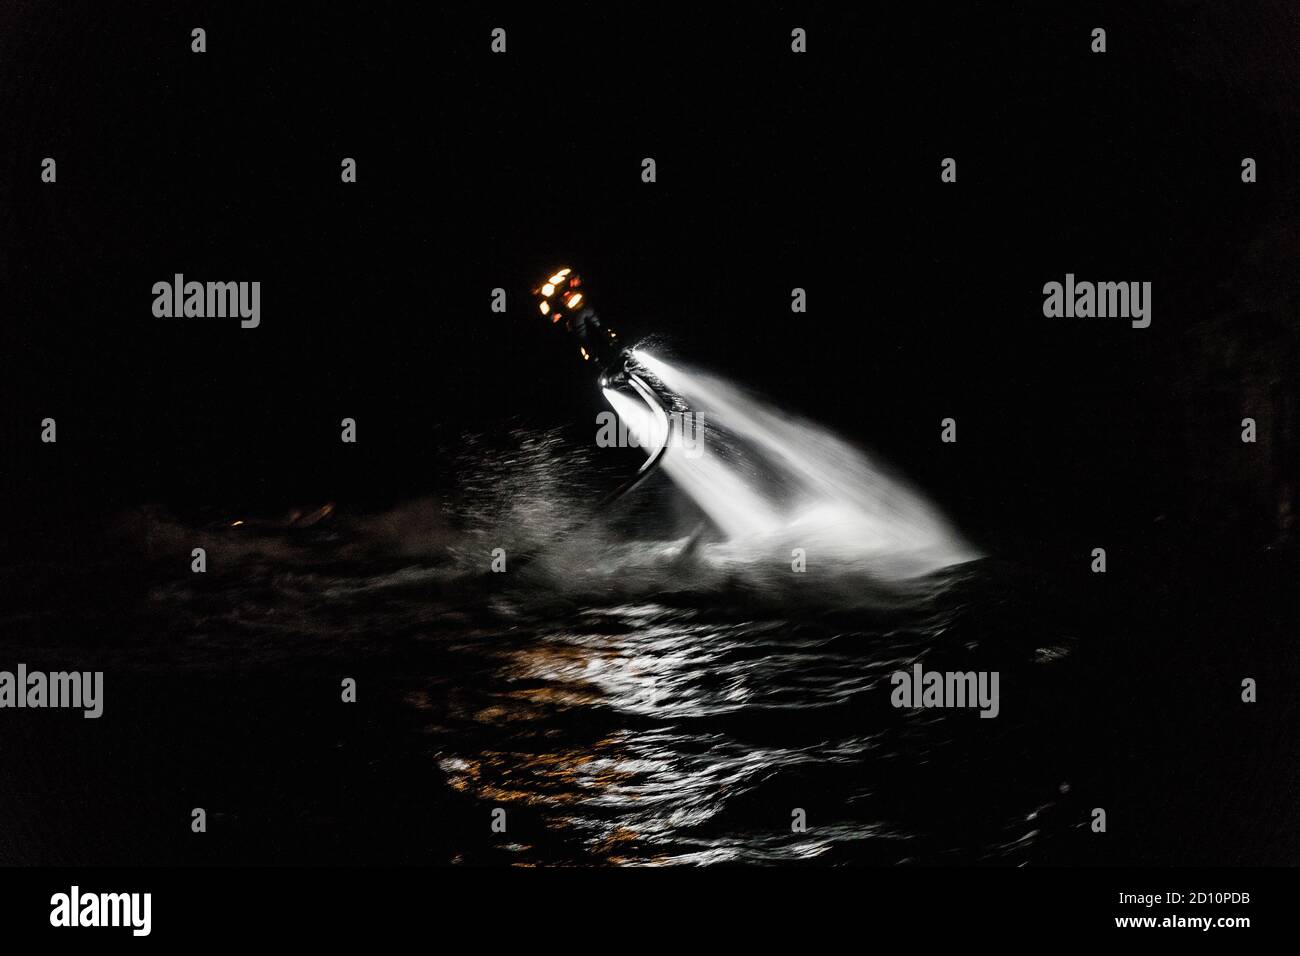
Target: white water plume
[793,484]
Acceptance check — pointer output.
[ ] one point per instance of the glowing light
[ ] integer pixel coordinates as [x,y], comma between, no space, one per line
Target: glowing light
[585,356]
[558,277]
[574,300]
[236,524]
[548,290]
[545,307]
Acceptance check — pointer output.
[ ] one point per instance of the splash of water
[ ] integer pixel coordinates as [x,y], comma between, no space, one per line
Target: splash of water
[769,479]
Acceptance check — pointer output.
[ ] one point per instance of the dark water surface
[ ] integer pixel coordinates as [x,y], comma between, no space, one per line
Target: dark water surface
[676,725]
[626,701]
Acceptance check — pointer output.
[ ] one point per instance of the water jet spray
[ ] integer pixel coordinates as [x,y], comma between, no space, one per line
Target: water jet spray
[767,480]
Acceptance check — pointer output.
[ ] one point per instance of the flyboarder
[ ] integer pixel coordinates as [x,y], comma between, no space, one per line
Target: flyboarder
[562,299]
